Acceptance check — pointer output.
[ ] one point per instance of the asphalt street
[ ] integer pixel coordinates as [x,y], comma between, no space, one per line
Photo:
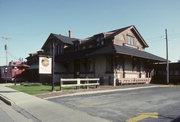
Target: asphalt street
[143,105]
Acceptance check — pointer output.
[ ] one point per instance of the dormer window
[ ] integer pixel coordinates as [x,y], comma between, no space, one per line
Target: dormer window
[100,41]
[130,42]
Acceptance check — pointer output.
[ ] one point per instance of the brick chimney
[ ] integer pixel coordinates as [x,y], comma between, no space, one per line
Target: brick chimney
[70,34]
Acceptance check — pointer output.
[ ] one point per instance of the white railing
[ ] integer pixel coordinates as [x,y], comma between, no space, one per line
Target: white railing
[77,82]
[134,80]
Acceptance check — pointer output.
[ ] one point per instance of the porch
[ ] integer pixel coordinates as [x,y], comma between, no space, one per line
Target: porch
[123,81]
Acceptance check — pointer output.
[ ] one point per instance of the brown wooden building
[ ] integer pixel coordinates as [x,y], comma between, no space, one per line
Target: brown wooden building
[117,57]
[174,73]
[32,73]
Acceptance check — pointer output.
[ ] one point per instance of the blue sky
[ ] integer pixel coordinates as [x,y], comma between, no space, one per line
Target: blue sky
[29,22]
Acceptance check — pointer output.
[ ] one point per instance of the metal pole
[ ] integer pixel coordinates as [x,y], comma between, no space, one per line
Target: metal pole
[5,47]
[15,78]
[53,66]
[15,69]
[167,60]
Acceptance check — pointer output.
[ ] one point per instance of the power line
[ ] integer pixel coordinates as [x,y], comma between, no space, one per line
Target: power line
[12,56]
[163,36]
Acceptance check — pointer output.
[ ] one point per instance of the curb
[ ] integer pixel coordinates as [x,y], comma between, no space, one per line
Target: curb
[6,100]
[98,92]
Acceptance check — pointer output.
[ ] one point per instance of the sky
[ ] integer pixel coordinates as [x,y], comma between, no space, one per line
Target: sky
[28,23]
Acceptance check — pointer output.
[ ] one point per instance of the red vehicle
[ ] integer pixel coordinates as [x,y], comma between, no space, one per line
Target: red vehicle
[13,71]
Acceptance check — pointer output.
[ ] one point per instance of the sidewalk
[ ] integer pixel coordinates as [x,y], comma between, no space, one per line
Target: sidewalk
[42,110]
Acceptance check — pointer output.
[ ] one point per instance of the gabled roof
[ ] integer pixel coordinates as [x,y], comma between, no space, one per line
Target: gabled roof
[62,38]
[111,49]
[108,34]
[118,31]
[111,34]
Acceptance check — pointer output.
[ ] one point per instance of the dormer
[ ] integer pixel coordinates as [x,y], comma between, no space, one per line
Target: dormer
[99,40]
[60,42]
[130,37]
[76,45]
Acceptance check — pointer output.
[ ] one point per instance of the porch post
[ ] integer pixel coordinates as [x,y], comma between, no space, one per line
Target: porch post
[123,66]
[114,71]
[53,64]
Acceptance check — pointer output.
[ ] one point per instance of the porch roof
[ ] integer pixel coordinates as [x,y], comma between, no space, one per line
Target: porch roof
[111,49]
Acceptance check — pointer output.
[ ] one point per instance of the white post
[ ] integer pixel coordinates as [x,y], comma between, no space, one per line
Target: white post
[78,81]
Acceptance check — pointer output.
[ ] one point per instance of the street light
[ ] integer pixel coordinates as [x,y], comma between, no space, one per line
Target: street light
[15,69]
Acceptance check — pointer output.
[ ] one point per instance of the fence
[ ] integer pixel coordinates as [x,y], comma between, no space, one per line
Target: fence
[78,82]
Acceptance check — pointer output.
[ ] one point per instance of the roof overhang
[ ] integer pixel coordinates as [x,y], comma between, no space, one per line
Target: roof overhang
[111,49]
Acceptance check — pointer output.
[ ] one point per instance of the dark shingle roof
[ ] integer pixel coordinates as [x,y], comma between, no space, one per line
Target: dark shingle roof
[127,51]
[134,52]
[75,55]
[110,49]
[59,37]
[64,39]
[111,34]
[108,34]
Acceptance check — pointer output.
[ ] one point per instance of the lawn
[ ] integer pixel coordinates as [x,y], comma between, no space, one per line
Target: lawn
[39,89]
[34,89]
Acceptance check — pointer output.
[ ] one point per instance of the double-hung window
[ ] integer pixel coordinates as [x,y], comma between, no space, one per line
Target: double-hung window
[131,40]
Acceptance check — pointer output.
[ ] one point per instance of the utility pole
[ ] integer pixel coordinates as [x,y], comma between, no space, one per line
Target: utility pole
[53,63]
[167,60]
[6,49]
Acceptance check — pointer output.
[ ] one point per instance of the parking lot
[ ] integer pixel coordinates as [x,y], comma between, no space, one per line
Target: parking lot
[160,104]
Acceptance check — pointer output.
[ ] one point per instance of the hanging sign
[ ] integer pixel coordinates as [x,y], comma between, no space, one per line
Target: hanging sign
[45,65]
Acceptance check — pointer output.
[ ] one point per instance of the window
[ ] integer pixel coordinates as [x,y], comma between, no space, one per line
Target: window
[83,47]
[83,66]
[90,46]
[109,64]
[131,40]
[76,46]
[87,66]
[90,65]
[119,63]
[59,49]
[2,70]
[100,41]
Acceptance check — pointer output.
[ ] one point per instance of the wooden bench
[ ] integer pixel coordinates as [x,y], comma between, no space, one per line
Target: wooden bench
[78,82]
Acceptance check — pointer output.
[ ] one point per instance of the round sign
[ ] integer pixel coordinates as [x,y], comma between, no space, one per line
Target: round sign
[45,62]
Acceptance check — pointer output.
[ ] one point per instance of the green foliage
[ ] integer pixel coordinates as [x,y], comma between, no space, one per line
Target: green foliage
[37,88]
[30,84]
[34,89]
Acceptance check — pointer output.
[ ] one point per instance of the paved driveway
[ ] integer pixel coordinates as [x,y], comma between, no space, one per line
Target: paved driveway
[153,104]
